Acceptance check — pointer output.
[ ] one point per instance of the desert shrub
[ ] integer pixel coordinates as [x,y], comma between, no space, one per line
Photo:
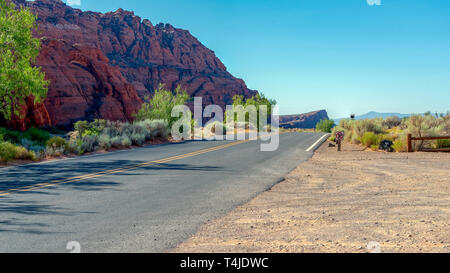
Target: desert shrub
[400,145]
[159,128]
[144,128]
[81,126]
[138,139]
[161,104]
[370,138]
[9,151]
[98,125]
[423,126]
[75,146]
[392,122]
[104,141]
[24,154]
[126,141]
[57,146]
[361,127]
[116,142]
[325,125]
[90,143]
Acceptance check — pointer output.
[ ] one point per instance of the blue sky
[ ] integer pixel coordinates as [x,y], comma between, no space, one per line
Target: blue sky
[345,56]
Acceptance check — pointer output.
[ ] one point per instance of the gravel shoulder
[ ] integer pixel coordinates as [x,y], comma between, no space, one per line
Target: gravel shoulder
[340,202]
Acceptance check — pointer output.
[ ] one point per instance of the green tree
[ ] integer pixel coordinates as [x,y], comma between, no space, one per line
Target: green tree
[19,79]
[325,125]
[258,100]
[160,106]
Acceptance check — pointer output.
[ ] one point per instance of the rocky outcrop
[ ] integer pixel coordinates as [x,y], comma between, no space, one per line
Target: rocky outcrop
[303,121]
[104,65]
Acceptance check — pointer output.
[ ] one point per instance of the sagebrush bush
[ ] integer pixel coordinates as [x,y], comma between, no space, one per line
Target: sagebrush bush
[392,122]
[104,141]
[116,142]
[126,141]
[370,138]
[138,139]
[90,143]
[57,146]
[361,127]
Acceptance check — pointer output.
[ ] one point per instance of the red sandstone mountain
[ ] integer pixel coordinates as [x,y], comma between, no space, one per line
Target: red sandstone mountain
[103,65]
[303,121]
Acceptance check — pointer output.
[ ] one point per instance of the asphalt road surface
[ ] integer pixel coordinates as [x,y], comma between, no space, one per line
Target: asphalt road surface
[142,200]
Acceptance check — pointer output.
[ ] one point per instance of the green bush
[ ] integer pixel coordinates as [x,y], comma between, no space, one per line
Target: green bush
[400,145]
[80,127]
[10,136]
[161,104]
[9,151]
[57,146]
[76,146]
[325,125]
[37,136]
[369,139]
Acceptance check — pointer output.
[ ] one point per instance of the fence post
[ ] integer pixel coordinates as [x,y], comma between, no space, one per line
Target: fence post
[409,143]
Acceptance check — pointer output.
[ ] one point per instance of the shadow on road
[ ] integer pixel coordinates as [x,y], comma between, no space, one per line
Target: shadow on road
[31,175]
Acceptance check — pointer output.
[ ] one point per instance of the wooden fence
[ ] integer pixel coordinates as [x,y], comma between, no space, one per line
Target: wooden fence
[411,139]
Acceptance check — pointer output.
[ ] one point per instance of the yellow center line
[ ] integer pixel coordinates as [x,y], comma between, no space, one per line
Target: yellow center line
[119,170]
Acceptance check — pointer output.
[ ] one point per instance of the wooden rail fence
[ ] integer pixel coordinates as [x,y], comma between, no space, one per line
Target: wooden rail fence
[411,139]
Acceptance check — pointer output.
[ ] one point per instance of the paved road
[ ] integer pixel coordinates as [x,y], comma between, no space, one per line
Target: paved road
[126,202]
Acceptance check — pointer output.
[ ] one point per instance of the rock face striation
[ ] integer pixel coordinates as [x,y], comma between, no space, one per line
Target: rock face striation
[104,65]
[303,121]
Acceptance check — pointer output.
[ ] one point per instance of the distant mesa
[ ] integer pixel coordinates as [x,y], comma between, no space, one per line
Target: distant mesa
[104,65]
[372,115]
[303,121]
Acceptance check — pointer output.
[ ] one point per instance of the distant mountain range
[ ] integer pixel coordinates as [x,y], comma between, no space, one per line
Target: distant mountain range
[373,114]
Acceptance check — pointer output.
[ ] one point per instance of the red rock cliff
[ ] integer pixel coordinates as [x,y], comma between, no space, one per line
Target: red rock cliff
[103,65]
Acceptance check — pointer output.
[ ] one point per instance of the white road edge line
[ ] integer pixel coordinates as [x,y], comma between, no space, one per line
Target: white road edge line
[317,142]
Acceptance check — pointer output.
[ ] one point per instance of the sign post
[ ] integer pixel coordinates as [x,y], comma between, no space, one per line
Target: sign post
[339,139]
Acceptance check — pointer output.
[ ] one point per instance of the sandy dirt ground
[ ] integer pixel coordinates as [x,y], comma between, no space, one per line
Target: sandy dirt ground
[342,202]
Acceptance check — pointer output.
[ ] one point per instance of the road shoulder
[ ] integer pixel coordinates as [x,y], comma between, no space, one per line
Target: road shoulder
[341,202]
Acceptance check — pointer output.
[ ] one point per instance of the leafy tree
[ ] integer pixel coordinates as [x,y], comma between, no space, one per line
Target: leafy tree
[160,106]
[325,125]
[258,100]
[19,79]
